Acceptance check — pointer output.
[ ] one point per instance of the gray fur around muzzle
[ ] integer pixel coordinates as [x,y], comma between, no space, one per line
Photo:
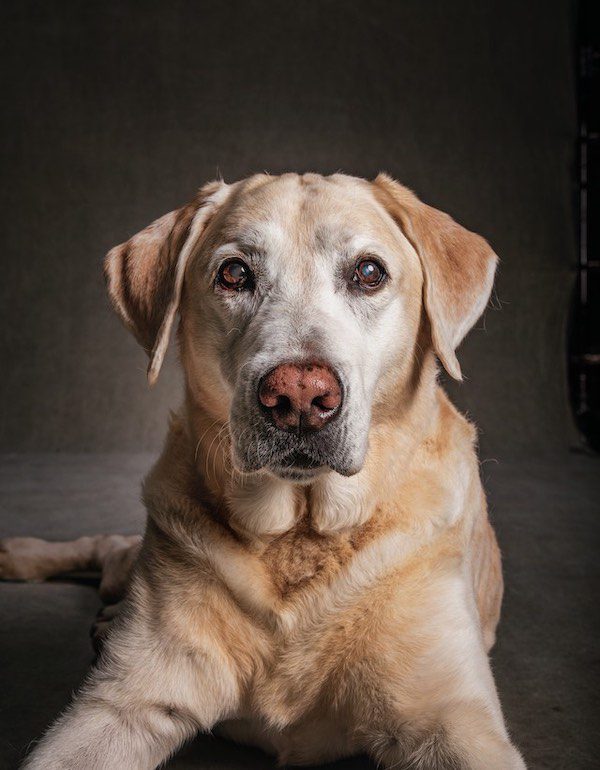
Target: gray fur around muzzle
[258,444]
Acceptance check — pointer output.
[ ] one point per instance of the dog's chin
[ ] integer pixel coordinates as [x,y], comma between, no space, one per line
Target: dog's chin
[298,475]
[298,466]
[302,469]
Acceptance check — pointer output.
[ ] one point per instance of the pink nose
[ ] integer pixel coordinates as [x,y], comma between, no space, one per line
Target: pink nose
[300,396]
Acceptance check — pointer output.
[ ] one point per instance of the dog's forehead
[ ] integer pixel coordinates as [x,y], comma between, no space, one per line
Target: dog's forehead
[322,213]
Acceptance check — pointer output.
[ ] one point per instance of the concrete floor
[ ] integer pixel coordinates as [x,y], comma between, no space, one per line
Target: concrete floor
[546,662]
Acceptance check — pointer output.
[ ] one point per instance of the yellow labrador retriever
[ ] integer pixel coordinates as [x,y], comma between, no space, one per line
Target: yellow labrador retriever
[318,575]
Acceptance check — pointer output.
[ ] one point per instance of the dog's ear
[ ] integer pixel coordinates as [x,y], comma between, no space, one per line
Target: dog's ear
[458,267]
[144,275]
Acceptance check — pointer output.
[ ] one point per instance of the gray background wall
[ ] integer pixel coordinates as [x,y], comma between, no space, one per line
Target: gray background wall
[114,112]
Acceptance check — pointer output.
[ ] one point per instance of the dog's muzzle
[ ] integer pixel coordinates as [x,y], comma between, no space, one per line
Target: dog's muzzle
[297,427]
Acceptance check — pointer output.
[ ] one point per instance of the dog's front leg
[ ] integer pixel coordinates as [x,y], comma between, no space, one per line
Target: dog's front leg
[97,734]
[141,703]
[465,735]
[437,704]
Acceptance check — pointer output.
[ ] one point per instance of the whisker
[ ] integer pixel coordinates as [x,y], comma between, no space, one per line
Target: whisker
[201,437]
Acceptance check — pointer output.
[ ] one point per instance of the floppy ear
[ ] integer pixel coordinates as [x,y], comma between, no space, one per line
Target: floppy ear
[144,276]
[458,267]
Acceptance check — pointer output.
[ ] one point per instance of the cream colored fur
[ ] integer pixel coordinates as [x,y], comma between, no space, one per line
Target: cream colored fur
[315,619]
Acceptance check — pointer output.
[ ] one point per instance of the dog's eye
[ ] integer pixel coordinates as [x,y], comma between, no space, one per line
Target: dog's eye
[368,273]
[234,275]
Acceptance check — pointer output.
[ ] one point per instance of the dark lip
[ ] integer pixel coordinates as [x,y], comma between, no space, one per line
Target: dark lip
[296,474]
[298,466]
[301,460]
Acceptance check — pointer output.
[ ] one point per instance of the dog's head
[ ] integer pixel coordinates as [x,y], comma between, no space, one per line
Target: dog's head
[303,300]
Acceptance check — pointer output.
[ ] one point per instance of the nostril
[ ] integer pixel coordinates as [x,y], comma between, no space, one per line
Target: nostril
[325,402]
[268,395]
[283,404]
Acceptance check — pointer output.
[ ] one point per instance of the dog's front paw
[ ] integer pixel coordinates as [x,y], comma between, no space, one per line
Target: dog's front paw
[24,558]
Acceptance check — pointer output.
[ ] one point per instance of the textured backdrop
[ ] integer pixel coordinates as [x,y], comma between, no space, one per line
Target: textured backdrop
[115,112]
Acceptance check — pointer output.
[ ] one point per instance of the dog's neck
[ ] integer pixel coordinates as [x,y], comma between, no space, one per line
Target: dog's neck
[262,505]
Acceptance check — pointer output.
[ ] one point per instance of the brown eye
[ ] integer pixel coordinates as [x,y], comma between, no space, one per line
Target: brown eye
[368,273]
[235,275]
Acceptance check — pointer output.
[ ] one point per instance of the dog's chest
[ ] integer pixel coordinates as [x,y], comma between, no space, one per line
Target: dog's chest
[302,555]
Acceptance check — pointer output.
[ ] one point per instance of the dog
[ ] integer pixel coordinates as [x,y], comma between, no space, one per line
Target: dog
[318,576]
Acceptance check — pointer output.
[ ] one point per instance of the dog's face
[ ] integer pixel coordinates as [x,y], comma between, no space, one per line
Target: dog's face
[303,293]
[301,299]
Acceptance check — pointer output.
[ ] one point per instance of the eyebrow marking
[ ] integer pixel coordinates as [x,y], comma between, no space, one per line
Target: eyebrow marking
[226,248]
[231,248]
[255,237]
[359,244]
